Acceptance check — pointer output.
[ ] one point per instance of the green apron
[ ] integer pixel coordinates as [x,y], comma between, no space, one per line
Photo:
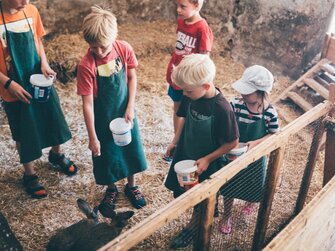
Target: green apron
[196,141]
[115,162]
[248,184]
[42,124]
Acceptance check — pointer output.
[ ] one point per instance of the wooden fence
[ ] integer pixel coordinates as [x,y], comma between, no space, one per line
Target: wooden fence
[205,193]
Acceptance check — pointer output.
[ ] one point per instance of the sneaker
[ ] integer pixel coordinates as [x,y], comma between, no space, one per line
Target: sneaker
[107,205]
[135,196]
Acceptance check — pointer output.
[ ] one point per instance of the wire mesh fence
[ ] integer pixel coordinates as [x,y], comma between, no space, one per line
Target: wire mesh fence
[238,197]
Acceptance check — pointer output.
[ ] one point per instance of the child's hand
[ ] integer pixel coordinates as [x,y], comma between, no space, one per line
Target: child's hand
[202,164]
[251,144]
[19,92]
[94,146]
[47,71]
[170,150]
[129,116]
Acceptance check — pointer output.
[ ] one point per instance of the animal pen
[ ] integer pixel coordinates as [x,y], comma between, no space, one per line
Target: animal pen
[255,230]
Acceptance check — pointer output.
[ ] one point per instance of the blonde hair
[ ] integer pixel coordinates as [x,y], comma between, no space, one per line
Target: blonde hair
[194,70]
[199,2]
[100,26]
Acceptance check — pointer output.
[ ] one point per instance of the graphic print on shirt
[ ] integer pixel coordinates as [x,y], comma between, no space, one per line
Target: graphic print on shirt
[112,67]
[17,27]
[185,43]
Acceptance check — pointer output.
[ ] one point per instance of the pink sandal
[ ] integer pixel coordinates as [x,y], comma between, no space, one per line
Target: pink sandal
[248,209]
[226,228]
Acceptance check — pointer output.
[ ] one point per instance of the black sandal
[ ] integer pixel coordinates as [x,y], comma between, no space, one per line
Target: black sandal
[64,164]
[33,187]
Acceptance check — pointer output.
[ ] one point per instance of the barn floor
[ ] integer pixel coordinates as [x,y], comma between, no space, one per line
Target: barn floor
[34,221]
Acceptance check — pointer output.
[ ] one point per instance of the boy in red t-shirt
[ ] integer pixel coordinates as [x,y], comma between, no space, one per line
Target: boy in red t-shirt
[193,36]
[107,83]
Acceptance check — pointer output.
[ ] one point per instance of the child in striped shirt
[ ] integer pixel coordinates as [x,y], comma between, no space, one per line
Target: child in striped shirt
[257,119]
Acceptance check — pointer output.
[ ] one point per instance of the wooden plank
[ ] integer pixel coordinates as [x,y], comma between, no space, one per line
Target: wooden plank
[313,229]
[328,68]
[317,87]
[273,172]
[325,45]
[323,80]
[329,52]
[309,74]
[300,101]
[210,186]
[329,166]
[311,161]
[206,220]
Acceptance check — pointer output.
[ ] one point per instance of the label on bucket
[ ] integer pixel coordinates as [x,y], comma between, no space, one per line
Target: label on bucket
[122,139]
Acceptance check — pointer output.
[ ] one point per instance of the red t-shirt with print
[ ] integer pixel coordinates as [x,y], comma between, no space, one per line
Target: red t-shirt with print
[191,38]
[87,68]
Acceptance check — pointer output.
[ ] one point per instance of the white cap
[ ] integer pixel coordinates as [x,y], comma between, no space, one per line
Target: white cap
[254,78]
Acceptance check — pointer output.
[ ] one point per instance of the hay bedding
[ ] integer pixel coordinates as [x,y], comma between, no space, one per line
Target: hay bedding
[34,221]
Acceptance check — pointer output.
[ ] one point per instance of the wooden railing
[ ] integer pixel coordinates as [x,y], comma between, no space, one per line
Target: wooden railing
[205,193]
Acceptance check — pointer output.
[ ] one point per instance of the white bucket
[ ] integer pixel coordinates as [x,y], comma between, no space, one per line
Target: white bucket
[186,173]
[40,87]
[238,151]
[121,131]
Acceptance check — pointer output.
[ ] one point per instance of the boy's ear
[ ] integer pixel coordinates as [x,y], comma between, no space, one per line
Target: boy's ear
[206,86]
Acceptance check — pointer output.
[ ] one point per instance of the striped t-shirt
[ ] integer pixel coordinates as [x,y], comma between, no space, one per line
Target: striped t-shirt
[243,114]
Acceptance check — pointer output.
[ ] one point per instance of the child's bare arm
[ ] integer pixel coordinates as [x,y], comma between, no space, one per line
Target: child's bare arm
[45,67]
[94,144]
[132,85]
[251,144]
[173,144]
[204,162]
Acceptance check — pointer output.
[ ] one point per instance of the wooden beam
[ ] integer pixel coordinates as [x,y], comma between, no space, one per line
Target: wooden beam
[313,229]
[300,101]
[325,45]
[207,208]
[317,87]
[210,186]
[327,67]
[329,166]
[309,74]
[273,172]
[308,172]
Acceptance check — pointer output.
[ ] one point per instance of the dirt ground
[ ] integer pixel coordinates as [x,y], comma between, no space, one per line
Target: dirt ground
[34,221]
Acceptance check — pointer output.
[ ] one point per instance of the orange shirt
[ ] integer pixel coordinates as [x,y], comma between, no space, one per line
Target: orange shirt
[18,23]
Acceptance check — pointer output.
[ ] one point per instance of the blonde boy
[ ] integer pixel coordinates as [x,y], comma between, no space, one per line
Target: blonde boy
[209,129]
[107,83]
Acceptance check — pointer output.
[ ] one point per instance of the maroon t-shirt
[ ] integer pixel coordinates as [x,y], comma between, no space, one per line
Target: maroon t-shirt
[191,38]
[225,126]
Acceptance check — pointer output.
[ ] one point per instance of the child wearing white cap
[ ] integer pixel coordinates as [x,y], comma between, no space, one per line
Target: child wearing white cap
[257,119]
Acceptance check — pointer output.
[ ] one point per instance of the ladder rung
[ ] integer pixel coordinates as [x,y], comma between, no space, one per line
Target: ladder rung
[300,101]
[329,68]
[317,87]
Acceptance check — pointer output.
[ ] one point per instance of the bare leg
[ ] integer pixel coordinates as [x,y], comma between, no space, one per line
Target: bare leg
[131,181]
[226,225]
[176,120]
[28,167]
[56,149]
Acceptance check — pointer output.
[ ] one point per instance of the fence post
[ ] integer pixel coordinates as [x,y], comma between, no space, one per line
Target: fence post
[275,161]
[308,172]
[329,168]
[206,215]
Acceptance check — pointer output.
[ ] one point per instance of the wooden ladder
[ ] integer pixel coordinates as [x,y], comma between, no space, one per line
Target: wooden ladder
[318,78]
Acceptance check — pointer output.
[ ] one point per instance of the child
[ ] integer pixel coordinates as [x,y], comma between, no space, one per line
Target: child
[209,130]
[193,36]
[34,125]
[257,119]
[107,83]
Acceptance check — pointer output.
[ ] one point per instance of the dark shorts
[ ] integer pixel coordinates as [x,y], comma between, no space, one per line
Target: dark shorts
[13,111]
[175,95]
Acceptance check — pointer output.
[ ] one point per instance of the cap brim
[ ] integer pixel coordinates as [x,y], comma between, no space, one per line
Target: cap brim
[243,88]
